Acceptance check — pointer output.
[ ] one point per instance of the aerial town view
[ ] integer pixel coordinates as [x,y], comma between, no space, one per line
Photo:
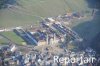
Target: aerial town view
[49,32]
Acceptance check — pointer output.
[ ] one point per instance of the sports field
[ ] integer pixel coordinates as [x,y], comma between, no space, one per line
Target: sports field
[32,11]
[11,37]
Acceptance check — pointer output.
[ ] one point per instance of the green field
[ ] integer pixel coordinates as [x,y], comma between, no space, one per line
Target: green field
[3,41]
[11,36]
[31,11]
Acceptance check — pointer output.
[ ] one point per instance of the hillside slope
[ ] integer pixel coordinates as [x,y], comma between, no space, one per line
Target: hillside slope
[31,11]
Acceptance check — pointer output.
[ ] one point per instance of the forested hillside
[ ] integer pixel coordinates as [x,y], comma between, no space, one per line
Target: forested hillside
[3,3]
